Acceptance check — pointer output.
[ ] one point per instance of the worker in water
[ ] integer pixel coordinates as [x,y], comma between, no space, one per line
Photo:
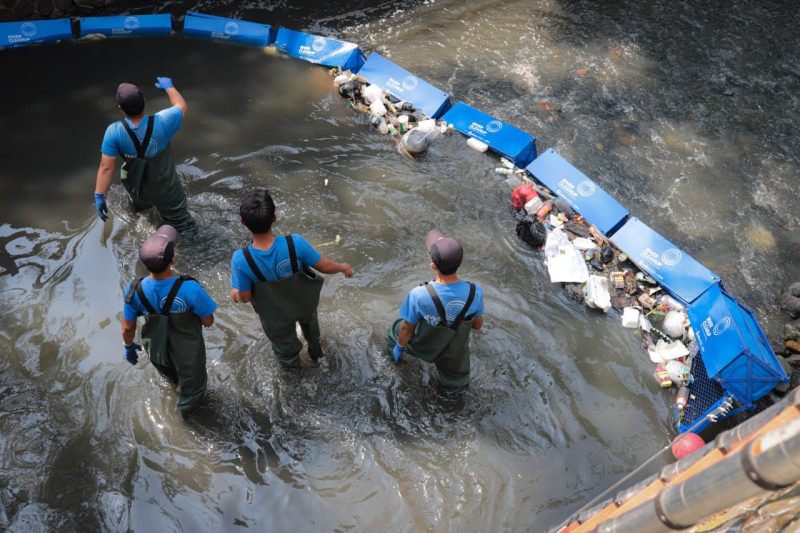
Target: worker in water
[436,318]
[148,170]
[174,308]
[272,272]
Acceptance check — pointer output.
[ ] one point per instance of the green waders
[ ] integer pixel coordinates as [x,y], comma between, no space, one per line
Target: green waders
[445,346]
[153,181]
[283,303]
[174,342]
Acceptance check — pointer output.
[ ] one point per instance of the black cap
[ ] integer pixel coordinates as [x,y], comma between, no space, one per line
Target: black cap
[130,99]
[446,253]
[157,251]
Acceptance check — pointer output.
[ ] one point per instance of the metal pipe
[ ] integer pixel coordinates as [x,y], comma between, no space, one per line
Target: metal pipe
[767,463]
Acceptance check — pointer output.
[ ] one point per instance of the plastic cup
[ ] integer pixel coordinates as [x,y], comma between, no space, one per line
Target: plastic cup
[403,121]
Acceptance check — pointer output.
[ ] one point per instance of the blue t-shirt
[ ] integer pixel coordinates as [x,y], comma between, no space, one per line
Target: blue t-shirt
[274,263]
[191,297]
[419,304]
[117,142]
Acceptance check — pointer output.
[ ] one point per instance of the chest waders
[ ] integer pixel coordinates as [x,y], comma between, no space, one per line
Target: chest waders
[174,343]
[153,181]
[445,346]
[283,303]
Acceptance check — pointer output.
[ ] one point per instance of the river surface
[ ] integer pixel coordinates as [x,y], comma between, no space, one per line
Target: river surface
[686,112]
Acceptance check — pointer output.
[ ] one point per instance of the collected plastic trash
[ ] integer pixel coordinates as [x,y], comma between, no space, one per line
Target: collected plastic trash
[533,205]
[673,324]
[595,293]
[582,243]
[564,261]
[531,231]
[682,397]
[678,372]
[667,351]
[662,377]
[630,317]
[416,142]
[523,194]
[477,145]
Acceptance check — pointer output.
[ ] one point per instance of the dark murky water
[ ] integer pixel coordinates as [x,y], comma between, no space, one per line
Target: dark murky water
[687,114]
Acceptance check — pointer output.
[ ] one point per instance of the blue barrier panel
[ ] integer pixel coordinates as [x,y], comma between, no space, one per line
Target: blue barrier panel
[734,348]
[501,137]
[404,85]
[581,193]
[320,50]
[14,34]
[675,270]
[126,26]
[226,30]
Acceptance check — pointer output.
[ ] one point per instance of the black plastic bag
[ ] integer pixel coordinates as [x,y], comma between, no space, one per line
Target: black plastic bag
[531,231]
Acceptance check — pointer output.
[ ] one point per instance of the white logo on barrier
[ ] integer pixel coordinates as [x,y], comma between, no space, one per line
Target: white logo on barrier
[586,188]
[671,257]
[131,23]
[722,326]
[178,305]
[28,29]
[319,44]
[410,83]
[494,126]
[231,28]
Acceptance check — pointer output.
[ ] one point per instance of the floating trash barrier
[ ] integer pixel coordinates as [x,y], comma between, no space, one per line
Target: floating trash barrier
[404,86]
[16,34]
[319,50]
[499,136]
[125,26]
[411,129]
[580,192]
[679,273]
[224,29]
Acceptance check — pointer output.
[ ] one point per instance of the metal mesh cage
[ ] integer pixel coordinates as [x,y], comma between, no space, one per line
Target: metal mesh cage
[704,394]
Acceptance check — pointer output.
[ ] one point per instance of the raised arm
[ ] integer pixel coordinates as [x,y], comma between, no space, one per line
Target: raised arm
[175,98]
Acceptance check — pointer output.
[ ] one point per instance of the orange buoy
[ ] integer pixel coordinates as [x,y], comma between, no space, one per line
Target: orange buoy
[686,443]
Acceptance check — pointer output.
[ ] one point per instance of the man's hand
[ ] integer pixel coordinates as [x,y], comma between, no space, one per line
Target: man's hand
[347,270]
[130,353]
[397,352]
[164,83]
[100,206]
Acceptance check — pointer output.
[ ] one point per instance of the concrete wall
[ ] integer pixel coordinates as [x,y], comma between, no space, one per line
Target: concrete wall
[43,9]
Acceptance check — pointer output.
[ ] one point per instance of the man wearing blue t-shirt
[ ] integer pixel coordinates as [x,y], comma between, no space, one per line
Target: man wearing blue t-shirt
[148,170]
[272,273]
[436,318]
[174,308]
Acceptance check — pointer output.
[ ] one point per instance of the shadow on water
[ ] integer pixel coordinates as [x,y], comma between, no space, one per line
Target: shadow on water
[561,402]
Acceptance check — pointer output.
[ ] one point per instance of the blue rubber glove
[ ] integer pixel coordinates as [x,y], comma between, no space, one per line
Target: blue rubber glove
[162,82]
[397,353]
[100,206]
[130,353]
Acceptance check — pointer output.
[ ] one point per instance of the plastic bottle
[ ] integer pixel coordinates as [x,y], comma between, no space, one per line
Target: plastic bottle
[546,207]
[377,108]
[402,120]
[392,129]
[682,397]
[504,171]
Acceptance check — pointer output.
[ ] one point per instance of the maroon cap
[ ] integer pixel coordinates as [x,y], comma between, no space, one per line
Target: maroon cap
[446,253]
[158,249]
[130,99]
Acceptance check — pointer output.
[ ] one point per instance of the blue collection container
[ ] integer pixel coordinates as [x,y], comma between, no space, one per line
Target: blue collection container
[16,34]
[227,30]
[126,26]
[580,192]
[320,50]
[675,270]
[735,359]
[503,138]
[402,84]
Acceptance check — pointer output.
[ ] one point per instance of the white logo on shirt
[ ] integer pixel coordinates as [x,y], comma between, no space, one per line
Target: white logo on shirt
[284,269]
[178,305]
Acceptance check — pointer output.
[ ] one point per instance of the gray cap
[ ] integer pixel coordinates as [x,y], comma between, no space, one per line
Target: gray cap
[446,253]
[158,249]
[130,99]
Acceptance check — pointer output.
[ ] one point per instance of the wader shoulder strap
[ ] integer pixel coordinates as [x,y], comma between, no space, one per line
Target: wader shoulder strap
[292,254]
[141,148]
[463,312]
[438,303]
[173,292]
[142,298]
[251,262]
